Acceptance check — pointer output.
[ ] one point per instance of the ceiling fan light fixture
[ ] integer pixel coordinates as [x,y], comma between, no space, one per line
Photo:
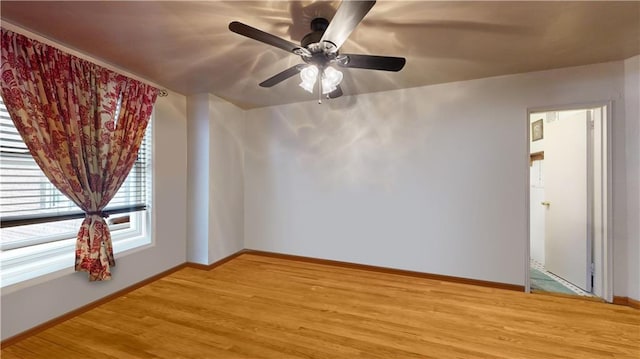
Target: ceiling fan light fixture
[331,78]
[308,75]
[320,48]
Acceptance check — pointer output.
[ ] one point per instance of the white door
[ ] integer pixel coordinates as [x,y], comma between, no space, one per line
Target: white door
[567,246]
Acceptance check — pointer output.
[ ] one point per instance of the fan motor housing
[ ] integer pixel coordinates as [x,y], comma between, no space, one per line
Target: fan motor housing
[311,38]
[321,53]
[318,27]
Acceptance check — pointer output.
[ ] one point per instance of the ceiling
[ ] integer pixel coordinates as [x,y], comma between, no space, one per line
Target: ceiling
[185,46]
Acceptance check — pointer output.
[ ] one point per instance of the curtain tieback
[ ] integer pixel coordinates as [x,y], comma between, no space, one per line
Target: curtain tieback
[97,213]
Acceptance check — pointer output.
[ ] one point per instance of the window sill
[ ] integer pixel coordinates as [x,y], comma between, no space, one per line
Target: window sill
[57,261]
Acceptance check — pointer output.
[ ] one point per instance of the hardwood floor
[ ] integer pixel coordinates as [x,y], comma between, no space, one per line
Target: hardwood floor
[263,307]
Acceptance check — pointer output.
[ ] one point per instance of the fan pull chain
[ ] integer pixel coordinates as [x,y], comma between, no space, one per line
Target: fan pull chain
[320,89]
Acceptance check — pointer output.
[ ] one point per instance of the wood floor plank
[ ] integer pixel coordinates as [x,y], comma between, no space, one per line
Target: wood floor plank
[263,307]
[15,351]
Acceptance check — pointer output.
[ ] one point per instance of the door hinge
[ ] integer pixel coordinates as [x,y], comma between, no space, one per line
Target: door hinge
[593,268]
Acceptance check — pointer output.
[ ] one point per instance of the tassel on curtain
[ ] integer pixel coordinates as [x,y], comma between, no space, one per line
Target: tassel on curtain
[65,109]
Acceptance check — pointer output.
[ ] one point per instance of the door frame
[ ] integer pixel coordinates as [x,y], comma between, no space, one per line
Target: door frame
[607,233]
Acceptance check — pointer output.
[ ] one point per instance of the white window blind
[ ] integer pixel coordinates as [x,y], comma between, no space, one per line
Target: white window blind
[28,198]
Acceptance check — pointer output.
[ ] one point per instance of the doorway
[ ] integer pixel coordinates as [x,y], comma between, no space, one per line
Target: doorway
[569,249]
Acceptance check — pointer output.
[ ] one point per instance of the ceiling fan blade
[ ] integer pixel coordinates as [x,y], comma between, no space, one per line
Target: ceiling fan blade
[384,63]
[259,35]
[335,93]
[279,77]
[347,17]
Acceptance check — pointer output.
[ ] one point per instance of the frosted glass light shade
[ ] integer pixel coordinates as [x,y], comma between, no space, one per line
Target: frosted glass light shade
[330,80]
[308,75]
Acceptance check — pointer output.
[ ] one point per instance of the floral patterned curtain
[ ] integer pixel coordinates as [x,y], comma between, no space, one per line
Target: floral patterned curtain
[65,110]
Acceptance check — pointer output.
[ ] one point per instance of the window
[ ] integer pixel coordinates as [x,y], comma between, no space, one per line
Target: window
[40,224]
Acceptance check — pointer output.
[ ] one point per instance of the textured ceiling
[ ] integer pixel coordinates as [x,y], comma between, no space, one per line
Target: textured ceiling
[186,46]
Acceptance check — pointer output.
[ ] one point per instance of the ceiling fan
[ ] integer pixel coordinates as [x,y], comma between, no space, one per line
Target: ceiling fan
[319,50]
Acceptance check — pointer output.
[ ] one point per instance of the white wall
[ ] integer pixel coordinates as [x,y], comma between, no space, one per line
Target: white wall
[430,179]
[215,172]
[632,113]
[198,148]
[32,305]
[226,171]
